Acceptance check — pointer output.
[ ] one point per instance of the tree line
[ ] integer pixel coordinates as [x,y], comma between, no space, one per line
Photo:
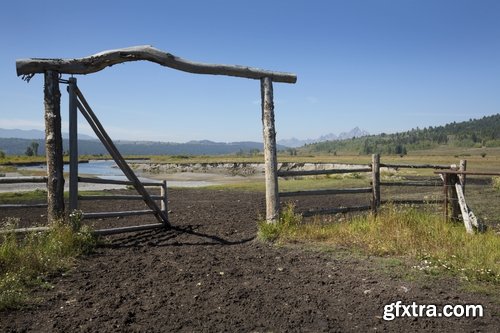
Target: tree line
[484,132]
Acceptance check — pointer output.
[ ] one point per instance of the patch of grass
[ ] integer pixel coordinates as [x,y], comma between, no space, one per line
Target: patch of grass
[405,231]
[287,222]
[27,262]
[7,168]
[496,183]
[21,159]
[12,197]
[38,195]
[492,291]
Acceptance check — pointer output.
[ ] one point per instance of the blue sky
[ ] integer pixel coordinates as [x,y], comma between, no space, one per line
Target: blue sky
[382,65]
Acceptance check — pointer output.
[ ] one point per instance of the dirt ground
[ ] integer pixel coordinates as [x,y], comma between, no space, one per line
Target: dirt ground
[212,275]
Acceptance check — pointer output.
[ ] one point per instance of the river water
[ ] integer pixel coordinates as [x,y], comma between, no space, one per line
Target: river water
[107,169]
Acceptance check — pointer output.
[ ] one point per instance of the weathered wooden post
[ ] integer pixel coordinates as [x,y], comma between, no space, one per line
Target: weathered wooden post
[453,197]
[53,146]
[462,167]
[270,158]
[446,184]
[375,182]
[73,145]
[164,198]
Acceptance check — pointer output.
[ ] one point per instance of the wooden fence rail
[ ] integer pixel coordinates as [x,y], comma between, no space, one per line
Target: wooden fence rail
[412,184]
[20,180]
[376,184]
[298,173]
[16,180]
[327,192]
[415,166]
[41,205]
[102,215]
[454,187]
[321,172]
[116,197]
[97,215]
[452,179]
[412,201]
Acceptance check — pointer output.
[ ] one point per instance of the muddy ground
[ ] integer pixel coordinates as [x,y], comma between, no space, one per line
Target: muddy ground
[212,275]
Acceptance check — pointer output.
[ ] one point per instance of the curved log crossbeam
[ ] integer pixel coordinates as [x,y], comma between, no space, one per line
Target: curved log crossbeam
[99,61]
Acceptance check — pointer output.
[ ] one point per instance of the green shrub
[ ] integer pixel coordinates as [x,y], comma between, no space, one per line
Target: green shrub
[26,261]
[288,221]
[411,232]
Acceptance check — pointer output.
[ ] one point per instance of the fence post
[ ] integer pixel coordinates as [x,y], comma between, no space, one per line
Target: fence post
[446,183]
[164,198]
[270,159]
[375,182]
[455,206]
[73,145]
[53,146]
[461,177]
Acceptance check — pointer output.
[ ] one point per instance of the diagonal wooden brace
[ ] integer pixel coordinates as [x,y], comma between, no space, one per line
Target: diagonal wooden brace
[99,130]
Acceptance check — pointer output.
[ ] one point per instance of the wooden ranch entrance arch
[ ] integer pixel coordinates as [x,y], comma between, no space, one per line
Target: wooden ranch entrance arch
[54,68]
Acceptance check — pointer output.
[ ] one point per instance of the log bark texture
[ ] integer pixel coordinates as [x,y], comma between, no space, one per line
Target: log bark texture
[99,61]
[54,147]
[73,145]
[270,158]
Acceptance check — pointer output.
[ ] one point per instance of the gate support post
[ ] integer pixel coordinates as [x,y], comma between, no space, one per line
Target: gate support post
[53,147]
[270,158]
[73,145]
[375,182]
[164,196]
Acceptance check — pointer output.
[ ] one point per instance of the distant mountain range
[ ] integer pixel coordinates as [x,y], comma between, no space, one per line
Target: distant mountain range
[34,134]
[356,132]
[15,142]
